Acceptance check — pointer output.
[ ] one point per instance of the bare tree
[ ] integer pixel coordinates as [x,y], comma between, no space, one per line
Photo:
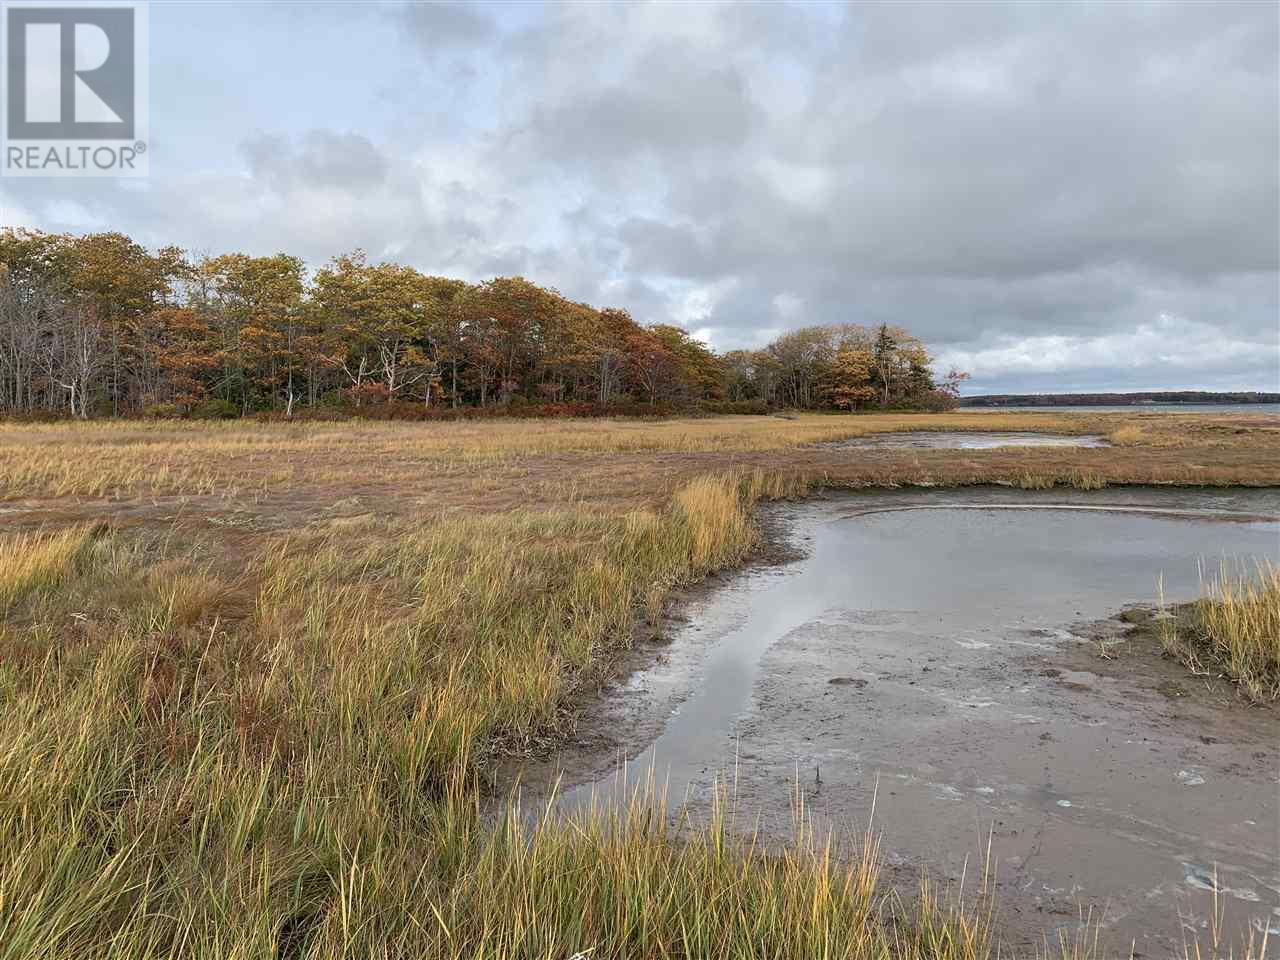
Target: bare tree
[27,316]
[83,344]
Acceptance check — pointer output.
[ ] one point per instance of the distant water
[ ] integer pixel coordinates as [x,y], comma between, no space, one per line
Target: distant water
[1270,409]
[968,440]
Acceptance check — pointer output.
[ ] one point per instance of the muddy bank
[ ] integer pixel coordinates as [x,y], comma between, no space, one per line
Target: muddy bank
[964,440]
[950,654]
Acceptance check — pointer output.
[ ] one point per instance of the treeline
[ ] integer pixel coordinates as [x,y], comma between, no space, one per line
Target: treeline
[99,325]
[1118,399]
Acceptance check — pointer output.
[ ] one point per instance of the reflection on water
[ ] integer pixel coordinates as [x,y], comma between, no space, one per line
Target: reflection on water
[961,565]
[965,440]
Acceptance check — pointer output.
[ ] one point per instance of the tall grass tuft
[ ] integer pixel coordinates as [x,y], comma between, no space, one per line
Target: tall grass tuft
[1234,628]
[1036,481]
[1087,480]
[35,561]
[623,880]
[1126,436]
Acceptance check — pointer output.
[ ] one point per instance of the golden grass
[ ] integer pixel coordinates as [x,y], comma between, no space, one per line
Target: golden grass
[1036,481]
[234,457]
[1087,480]
[1235,629]
[301,780]
[625,882]
[37,561]
[253,743]
[244,460]
[1127,436]
[1077,479]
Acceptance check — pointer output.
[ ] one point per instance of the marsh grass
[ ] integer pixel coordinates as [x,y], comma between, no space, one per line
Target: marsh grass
[1036,481]
[240,458]
[289,757]
[38,561]
[1087,480]
[1233,629]
[626,880]
[1078,479]
[304,779]
[1218,943]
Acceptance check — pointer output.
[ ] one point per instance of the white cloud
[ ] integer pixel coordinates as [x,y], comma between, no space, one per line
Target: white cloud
[1164,346]
[699,302]
[788,306]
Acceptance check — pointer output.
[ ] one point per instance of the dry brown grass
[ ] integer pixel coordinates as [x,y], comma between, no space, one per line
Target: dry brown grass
[251,475]
[250,719]
[37,561]
[301,781]
[1182,430]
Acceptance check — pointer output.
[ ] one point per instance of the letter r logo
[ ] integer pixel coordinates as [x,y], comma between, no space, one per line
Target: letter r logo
[70,72]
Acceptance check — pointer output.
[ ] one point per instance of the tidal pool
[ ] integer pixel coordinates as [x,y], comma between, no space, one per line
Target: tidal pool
[939,653]
[965,440]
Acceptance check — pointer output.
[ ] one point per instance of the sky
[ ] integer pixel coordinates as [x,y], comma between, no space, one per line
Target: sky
[1055,197]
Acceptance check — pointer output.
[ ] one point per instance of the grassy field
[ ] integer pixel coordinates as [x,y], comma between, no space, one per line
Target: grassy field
[135,458]
[609,464]
[254,679]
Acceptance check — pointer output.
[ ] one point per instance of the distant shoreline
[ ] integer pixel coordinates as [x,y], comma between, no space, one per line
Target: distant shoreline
[1117,399]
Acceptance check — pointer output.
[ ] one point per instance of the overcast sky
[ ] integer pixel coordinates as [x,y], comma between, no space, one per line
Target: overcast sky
[1055,197]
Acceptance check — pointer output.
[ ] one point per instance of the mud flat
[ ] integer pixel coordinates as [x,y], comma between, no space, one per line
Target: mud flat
[965,440]
[952,656]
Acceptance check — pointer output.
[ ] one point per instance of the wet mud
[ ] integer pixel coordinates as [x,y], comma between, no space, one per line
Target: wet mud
[967,664]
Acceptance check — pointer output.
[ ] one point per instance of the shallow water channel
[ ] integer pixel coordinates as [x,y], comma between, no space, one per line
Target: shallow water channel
[939,652]
[965,440]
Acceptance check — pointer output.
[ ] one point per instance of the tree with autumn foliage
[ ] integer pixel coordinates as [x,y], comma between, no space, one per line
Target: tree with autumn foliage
[254,308]
[847,384]
[77,309]
[375,326]
[97,324]
[118,283]
[178,351]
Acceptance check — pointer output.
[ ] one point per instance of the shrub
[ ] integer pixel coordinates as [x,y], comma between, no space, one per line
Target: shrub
[744,407]
[215,410]
[371,394]
[936,401]
[416,411]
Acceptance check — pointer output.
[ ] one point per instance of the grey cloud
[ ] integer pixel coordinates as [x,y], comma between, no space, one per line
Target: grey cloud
[315,196]
[435,27]
[669,104]
[655,247]
[321,158]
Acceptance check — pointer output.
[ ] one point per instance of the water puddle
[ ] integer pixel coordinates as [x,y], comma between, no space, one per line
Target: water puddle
[964,440]
[934,650]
